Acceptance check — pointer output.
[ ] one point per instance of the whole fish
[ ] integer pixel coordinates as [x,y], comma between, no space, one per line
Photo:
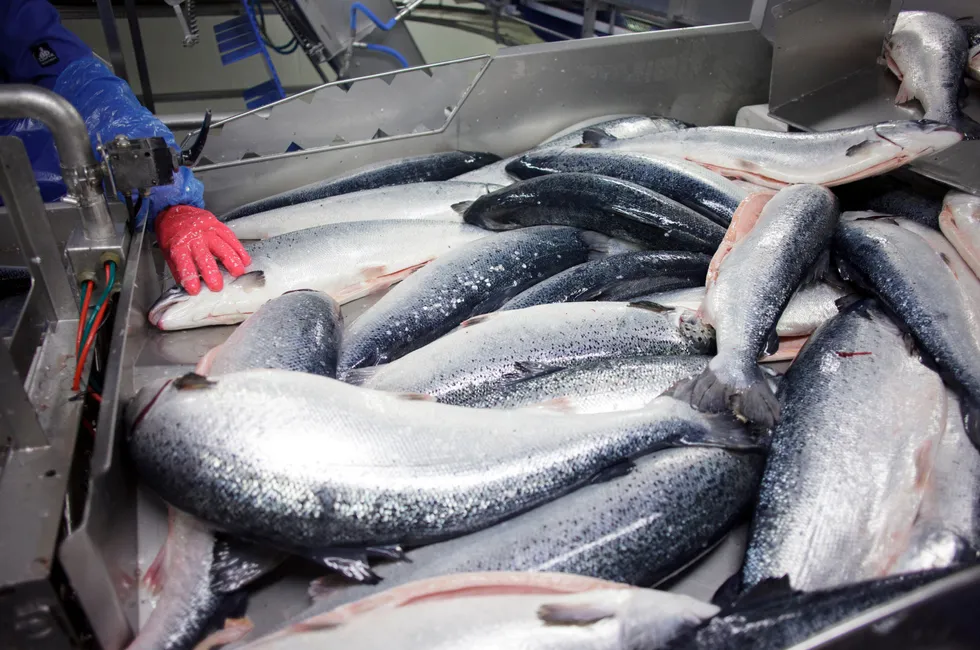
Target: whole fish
[947,528]
[812,305]
[310,464]
[433,200]
[403,171]
[927,51]
[862,420]
[923,287]
[525,610]
[601,386]
[467,282]
[775,159]
[607,205]
[198,573]
[638,528]
[756,281]
[617,277]
[345,260]
[300,330]
[495,348]
[625,126]
[781,617]
[198,570]
[692,185]
[960,222]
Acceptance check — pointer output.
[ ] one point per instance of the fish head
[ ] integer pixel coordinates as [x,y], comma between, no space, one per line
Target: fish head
[918,137]
[176,309]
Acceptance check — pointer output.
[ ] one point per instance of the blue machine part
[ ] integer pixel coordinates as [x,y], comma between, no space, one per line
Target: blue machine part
[239,38]
[382,25]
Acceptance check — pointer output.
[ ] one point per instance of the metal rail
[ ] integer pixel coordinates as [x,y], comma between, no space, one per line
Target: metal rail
[79,169]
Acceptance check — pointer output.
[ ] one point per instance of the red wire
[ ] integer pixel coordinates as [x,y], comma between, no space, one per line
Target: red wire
[89,426]
[98,398]
[89,285]
[77,381]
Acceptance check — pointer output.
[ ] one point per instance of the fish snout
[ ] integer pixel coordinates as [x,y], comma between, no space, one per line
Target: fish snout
[932,126]
[169,298]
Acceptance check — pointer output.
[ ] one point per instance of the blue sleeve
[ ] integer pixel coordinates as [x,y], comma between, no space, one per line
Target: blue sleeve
[35,48]
[110,108]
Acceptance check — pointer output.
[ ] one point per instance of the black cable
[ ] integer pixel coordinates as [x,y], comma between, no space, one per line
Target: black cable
[286,49]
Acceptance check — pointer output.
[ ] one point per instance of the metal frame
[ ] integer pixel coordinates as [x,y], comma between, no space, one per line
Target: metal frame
[39,423]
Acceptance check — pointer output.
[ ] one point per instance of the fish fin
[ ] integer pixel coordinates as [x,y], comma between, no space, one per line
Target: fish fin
[529,369]
[155,575]
[905,93]
[580,613]
[845,301]
[415,397]
[392,552]
[460,208]
[250,281]
[766,590]
[322,588]
[352,563]
[727,593]
[715,394]
[613,472]
[236,563]
[819,270]
[971,420]
[193,381]
[556,405]
[861,147]
[234,629]
[596,137]
[476,320]
[650,305]
[772,343]
[358,376]
[603,245]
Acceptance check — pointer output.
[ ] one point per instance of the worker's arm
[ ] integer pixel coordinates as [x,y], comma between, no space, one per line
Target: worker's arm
[37,49]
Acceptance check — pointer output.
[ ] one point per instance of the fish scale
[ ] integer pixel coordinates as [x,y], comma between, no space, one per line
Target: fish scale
[470,281]
[303,462]
[473,360]
[862,418]
[347,261]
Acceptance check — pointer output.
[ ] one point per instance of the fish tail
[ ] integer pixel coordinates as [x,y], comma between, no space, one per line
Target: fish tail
[747,394]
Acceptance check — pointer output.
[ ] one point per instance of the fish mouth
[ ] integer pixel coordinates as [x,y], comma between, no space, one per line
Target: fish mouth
[167,299]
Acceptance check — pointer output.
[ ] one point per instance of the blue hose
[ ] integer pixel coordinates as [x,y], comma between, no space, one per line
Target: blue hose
[357,6]
[370,14]
[388,50]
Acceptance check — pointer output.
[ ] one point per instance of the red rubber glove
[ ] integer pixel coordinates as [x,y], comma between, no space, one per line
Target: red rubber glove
[191,238]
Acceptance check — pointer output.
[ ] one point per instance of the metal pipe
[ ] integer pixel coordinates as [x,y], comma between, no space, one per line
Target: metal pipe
[79,169]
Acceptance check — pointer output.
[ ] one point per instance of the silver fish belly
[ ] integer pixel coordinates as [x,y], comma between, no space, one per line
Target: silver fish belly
[599,386]
[636,529]
[431,201]
[755,283]
[862,420]
[502,346]
[947,528]
[305,462]
[930,290]
[347,261]
[775,159]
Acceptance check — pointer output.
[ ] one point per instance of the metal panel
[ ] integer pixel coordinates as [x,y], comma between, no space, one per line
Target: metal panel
[347,112]
[100,555]
[826,75]
[700,74]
